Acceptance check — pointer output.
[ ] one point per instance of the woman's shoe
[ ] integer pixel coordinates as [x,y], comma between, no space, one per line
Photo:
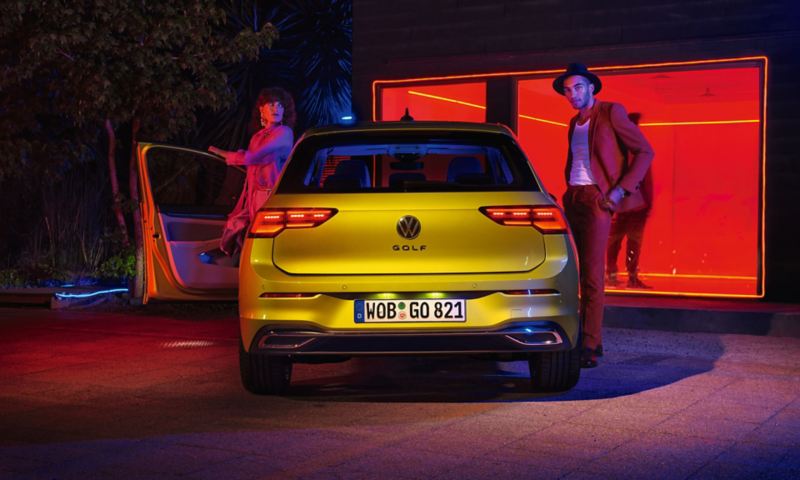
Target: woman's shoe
[211,256]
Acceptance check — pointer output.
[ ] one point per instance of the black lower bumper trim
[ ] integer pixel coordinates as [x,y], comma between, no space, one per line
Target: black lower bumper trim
[541,336]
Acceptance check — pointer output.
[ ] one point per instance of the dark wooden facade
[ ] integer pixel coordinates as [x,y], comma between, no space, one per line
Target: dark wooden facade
[414,38]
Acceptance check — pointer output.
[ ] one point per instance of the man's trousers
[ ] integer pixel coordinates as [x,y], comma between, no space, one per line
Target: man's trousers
[590,224]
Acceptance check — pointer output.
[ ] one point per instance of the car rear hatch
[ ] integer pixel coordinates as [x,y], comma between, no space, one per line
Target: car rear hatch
[454,236]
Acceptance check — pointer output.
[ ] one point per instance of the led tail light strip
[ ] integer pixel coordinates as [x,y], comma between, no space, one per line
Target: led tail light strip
[269,222]
[546,219]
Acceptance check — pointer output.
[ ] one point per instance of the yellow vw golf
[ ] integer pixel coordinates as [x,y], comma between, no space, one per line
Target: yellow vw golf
[405,238]
[408,238]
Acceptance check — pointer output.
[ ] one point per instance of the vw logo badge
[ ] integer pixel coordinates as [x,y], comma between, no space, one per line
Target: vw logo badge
[409,227]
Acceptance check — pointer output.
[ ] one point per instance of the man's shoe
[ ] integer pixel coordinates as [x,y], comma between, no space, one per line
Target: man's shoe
[611,279]
[599,350]
[634,282]
[588,358]
[588,363]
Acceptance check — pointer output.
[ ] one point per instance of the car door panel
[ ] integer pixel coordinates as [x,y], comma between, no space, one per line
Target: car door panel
[186,195]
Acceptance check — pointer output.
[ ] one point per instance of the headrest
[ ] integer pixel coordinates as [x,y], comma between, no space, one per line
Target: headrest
[353,172]
[463,166]
[398,179]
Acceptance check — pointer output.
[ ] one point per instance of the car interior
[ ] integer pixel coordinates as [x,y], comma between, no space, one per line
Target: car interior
[404,166]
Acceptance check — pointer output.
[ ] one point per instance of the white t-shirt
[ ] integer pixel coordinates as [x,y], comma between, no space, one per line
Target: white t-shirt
[581,172]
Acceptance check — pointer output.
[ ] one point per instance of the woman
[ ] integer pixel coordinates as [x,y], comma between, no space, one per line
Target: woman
[264,159]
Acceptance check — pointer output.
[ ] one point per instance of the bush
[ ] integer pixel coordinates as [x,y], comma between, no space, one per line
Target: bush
[11,278]
[119,267]
[33,275]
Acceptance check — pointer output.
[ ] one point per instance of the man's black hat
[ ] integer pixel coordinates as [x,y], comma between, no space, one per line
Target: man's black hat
[577,69]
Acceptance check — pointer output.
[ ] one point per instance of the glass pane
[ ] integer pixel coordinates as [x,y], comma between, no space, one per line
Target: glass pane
[411,162]
[702,234]
[463,102]
[192,182]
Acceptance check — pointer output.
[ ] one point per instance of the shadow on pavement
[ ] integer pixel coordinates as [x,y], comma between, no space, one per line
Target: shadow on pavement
[626,371]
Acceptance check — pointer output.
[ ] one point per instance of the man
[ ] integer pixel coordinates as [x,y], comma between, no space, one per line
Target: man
[629,223]
[608,158]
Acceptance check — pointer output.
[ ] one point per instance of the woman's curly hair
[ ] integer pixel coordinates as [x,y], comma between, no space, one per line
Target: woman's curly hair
[275,94]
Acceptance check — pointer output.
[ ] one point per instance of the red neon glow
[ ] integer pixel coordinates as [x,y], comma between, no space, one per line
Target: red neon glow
[699,122]
[537,119]
[460,102]
[446,99]
[705,119]
[561,124]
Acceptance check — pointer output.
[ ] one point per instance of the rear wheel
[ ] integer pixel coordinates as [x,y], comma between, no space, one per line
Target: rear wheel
[555,371]
[265,374]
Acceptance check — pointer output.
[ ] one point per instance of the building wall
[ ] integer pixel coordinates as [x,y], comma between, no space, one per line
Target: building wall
[416,38]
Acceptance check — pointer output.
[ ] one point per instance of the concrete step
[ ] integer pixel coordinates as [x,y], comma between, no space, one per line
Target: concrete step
[747,317]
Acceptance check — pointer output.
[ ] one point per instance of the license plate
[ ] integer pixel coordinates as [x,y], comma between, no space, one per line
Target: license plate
[423,310]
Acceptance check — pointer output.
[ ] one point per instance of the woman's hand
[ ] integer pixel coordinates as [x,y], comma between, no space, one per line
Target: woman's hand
[217,151]
[222,153]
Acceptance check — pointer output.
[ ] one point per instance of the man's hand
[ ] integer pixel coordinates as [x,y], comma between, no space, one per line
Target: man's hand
[616,194]
[613,198]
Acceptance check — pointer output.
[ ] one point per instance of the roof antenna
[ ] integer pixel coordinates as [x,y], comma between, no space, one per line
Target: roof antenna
[407,117]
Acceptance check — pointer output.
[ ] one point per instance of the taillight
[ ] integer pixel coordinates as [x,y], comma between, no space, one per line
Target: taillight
[287,295]
[546,219]
[269,222]
[533,291]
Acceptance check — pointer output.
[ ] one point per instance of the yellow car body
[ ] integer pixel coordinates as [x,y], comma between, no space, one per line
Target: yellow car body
[414,257]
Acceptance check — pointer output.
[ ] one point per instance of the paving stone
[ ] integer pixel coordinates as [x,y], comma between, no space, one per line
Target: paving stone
[631,467]
[584,475]
[754,453]
[547,456]
[615,414]
[787,417]
[714,428]
[244,468]
[482,469]
[662,447]
[730,410]
[403,462]
[730,471]
[775,434]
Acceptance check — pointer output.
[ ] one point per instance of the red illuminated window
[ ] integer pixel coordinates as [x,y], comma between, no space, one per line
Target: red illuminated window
[464,102]
[705,121]
[703,233]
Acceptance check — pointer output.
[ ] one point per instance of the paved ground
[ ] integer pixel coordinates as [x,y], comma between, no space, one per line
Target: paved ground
[91,394]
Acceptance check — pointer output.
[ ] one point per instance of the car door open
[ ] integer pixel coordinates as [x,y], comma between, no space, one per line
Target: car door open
[185,198]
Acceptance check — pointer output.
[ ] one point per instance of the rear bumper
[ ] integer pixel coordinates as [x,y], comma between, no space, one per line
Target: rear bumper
[515,338]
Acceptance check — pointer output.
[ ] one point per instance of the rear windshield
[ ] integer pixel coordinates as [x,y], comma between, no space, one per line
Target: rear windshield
[407,162]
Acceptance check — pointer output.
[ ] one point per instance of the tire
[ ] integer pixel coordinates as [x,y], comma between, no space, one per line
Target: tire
[555,371]
[264,374]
